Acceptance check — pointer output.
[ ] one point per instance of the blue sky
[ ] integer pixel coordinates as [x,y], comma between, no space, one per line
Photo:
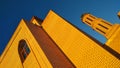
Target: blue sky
[12,11]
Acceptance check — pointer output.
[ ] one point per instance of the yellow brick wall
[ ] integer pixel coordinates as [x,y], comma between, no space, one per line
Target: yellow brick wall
[10,57]
[81,50]
[114,41]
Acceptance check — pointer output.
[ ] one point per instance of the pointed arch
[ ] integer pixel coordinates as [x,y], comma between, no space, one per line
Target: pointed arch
[23,50]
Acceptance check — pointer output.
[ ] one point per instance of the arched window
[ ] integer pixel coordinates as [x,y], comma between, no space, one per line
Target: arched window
[23,50]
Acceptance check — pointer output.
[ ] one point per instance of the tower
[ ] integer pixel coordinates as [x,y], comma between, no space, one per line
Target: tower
[110,31]
[119,14]
[103,27]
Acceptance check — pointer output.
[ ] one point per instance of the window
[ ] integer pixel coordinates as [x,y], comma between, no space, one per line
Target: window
[100,30]
[23,50]
[106,23]
[103,26]
[89,19]
[88,23]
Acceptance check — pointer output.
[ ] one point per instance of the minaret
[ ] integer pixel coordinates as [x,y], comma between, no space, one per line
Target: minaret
[103,27]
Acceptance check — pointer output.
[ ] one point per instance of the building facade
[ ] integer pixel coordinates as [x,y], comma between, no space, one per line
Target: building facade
[56,43]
